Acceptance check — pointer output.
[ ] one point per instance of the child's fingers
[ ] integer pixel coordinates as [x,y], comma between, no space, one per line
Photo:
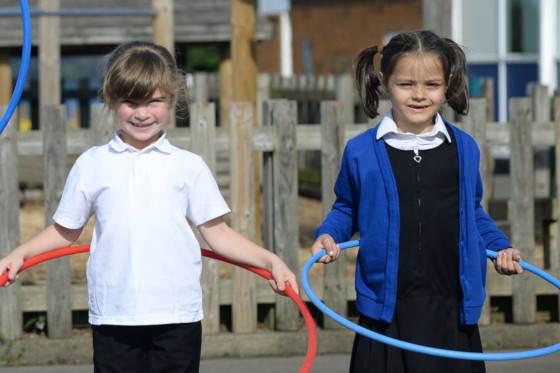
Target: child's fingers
[293,284]
[506,262]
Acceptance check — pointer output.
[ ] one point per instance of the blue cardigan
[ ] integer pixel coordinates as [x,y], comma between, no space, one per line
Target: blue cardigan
[367,202]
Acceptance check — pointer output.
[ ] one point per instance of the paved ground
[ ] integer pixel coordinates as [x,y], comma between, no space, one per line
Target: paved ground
[322,363]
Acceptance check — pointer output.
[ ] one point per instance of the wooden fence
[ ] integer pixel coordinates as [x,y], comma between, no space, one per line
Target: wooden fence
[278,138]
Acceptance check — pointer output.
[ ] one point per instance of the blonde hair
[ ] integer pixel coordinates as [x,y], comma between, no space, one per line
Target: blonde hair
[135,70]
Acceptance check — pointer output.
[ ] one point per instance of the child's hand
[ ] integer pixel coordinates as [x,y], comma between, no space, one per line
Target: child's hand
[281,275]
[11,264]
[506,263]
[326,242]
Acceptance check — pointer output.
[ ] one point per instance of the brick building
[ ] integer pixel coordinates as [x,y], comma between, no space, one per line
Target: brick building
[328,34]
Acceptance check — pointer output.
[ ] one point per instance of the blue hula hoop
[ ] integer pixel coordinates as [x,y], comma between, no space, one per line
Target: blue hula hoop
[24,65]
[419,348]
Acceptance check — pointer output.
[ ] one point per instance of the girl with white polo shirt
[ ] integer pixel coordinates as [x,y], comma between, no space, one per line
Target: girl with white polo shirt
[145,298]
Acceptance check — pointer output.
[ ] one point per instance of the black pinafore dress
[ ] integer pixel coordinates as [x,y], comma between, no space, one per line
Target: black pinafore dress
[428,292]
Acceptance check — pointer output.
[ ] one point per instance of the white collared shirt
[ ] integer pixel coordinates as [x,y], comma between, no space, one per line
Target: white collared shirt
[409,141]
[145,262]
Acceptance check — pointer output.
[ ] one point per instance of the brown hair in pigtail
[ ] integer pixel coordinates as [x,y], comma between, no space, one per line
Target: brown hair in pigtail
[367,80]
[457,94]
[408,43]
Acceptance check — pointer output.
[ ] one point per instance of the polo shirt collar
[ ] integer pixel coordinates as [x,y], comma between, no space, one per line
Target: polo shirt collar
[388,125]
[161,144]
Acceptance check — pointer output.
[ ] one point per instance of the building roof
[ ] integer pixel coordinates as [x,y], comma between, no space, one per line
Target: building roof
[196,21]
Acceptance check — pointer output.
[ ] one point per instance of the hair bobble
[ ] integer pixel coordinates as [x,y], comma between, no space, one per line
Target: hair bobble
[380,48]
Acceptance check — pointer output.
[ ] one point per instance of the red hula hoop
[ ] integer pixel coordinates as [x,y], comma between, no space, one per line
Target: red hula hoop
[309,322]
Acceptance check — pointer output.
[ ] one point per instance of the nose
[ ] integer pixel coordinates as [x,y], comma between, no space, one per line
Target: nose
[418,93]
[141,113]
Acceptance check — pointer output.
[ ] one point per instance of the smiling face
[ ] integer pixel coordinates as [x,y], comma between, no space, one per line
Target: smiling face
[416,88]
[141,122]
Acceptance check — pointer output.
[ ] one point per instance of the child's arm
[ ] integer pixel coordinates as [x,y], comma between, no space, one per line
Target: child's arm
[51,238]
[506,263]
[234,246]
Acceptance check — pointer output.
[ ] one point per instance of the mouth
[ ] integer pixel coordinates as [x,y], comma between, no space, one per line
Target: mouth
[141,125]
[418,107]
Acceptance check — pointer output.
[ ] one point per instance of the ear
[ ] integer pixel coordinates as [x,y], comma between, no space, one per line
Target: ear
[383,81]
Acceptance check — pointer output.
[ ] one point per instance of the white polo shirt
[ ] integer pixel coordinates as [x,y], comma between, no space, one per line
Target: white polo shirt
[145,262]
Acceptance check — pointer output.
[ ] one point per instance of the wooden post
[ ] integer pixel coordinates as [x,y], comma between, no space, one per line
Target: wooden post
[201,87]
[226,81]
[555,253]
[522,206]
[437,17]
[163,24]
[475,124]
[489,95]
[203,135]
[541,113]
[243,49]
[285,202]
[242,189]
[11,315]
[345,91]
[5,77]
[331,154]
[101,123]
[59,308]
[49,57]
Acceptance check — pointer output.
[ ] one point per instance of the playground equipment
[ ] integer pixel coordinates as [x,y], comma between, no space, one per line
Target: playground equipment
[419,348]
[309,322]
[26,54]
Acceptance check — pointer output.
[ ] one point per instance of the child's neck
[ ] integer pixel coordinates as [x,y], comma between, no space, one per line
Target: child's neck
[417,130]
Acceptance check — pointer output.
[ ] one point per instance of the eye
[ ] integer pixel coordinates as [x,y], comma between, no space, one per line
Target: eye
[158,100]
[434,85]
[405,84]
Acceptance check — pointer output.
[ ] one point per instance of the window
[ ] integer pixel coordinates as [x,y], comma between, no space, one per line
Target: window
[522,26]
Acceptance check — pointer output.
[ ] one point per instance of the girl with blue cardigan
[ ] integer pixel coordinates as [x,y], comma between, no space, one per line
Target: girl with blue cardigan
[411,188]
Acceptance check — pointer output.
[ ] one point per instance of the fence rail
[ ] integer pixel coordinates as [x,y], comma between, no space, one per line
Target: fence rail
[278,138]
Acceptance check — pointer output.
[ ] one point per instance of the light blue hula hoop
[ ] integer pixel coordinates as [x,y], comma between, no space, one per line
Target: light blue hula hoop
[419,348]
[24,65]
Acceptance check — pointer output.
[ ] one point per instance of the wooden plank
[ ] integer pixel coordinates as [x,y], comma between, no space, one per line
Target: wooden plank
[285,202]
[332,123]
[522,207]
[203,130]
[30,142]
[11,317]
[244,307]
[34,296]
[59,311]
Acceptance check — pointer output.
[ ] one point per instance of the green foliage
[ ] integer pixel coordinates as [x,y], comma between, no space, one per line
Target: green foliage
[37,324]
[205,58]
